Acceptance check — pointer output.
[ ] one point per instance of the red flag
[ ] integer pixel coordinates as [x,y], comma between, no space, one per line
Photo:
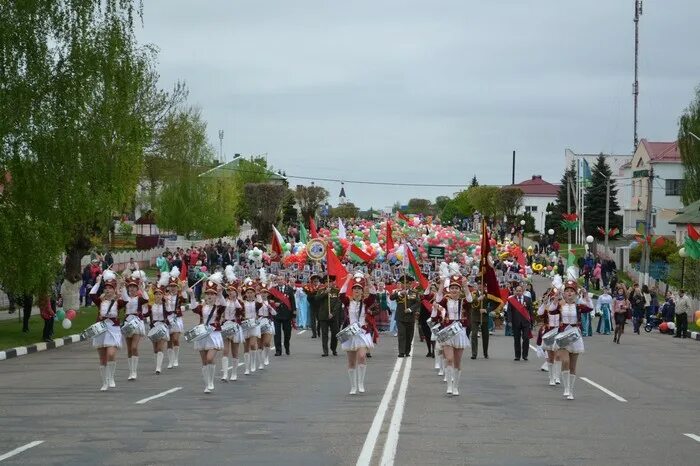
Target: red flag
[276,242]
[692,233]
[389,239]
[489,279]
[414,269]
[335,268]
[402,216]
[312,228]
[363,256]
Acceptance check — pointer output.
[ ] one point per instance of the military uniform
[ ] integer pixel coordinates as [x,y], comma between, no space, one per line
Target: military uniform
[480,323]
[329,315]
[407,305]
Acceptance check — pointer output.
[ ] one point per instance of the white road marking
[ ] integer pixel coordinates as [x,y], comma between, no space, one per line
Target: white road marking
[365,457]
[392,439]
[301,332]
[167,392]
[603,389]
[19,450]
[241,364]
[532,348]
[693,436]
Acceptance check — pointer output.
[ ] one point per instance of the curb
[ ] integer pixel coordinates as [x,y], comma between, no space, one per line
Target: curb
[42,346]
[695,335]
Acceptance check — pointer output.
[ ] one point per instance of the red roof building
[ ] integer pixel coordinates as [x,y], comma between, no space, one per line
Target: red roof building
[536,186]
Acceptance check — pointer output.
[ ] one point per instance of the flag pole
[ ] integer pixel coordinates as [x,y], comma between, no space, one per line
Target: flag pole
[484,236]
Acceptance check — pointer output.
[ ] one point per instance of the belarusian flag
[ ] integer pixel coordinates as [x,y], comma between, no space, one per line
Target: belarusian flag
[389,238]
[312,227]
[413,268]
[373,236]
[357,254]
[402,217]
[277,242]
[488,275]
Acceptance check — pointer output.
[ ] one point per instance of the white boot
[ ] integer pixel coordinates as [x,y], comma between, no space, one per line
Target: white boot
[545,367]
[441,365]
[557,372]
[131,369]
[234,369]
[224,369]
[267,356]
[176,356]
[352,373]
[448,376]
[246,360]
[551,371]
[105,378]
[171,358]
[361,369]
[212,374]
[111,369]
[437,362]
[205,376]
[261,362]
[135,367]
[455,385]
[159,361]
[572,381]
[253,361]
[566,381]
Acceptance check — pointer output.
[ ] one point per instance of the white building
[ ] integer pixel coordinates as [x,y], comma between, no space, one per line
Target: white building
[664,159]
[538,193]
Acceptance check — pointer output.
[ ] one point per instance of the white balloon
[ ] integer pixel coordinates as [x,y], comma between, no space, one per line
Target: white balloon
[66,323]
[671,326]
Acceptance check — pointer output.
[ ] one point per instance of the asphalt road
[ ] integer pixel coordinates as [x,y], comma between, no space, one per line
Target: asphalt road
[298,412]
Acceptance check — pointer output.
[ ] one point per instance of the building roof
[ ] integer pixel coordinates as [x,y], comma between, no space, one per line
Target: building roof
[342,192]
[229,169]
[689,214]
[536,186]
[662,152]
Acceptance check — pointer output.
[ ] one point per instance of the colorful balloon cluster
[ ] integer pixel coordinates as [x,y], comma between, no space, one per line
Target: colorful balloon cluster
[65,317]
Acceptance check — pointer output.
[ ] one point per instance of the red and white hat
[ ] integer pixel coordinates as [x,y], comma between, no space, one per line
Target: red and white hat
[358,281]
[573,284]
[455,280]
[211,287]
[109,278]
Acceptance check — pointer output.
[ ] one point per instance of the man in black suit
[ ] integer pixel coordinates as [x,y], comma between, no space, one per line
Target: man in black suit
[521,316]
[285,314]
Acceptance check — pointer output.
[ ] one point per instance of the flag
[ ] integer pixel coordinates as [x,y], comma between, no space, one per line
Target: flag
[488,275]
[303,234]
[571,259]
[312,227]
[389,238]
[341,230]
[357,254]
[413,268]
[373,236]
[692,233]
[277,242]
[402,217]
[335,268]
[586,173]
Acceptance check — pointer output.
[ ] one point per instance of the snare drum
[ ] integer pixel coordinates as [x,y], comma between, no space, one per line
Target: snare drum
[159,332]
[266,326]
[96,329]
[448,332]
[130,327]
[434,327]
[567,337]
[549,337]
[197,332]
[249,324]
[229,329]
[348,332]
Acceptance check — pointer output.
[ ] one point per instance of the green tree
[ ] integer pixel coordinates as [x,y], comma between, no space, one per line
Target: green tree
[74,95]
[441,202]
[474,182]
[419,206]
[594,215]
[347,210]
[310,199]
[684,274]
[462,204]
[529,222]
[264,202]
[568,182]
[508,201]
[252,170]
[689,147]
[483,199]
[289,210]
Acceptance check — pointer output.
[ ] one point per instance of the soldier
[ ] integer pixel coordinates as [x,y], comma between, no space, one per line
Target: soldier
[480,322]
[407,305]
[328,316]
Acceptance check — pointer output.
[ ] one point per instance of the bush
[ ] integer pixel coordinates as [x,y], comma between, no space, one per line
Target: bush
[125,228]
[658,253]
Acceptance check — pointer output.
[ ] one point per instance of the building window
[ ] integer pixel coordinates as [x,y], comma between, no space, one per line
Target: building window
[673,187]
[530,208]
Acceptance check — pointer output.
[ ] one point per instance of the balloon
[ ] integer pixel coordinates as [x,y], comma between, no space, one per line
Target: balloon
[663,327]
[697,315]
[67,324]
[671,326]
[70,315]
[204,268]
[697,322]
[60,315]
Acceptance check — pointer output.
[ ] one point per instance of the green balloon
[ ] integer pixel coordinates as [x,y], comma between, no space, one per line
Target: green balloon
[60,315]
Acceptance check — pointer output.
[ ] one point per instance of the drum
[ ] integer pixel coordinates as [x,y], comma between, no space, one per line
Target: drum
[130,327]
[266,326]
[197,332]
[567,337]
[448,332]
[95,330]
[434,326]
[348,333]
[158,332]
[549,337]
[248,324]
[229,329]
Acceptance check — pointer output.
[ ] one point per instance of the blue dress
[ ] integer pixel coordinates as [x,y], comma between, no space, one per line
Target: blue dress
[302,308]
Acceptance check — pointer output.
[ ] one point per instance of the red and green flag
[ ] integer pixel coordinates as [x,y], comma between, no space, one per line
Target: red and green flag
[413,268]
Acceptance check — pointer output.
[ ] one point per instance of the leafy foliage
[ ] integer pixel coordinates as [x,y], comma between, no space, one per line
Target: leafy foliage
[264,202]
[508,201]
[483,199]
[289,210]
[690,149]
[347,210]
[310,199]
[419,206]
[560,206]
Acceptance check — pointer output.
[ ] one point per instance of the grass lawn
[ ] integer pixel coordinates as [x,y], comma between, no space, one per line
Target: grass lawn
[11,334]
[692,327]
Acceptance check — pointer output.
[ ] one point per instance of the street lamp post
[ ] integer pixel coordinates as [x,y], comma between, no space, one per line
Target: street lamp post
[522,233]
[683,254]
[589,241]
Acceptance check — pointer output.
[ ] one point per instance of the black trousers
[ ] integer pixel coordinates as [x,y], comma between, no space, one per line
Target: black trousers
[681,324]
[286,327]
[480,324]
[27,302]
[521,338]
[315,323]
[406,331]
[326,327]
[48,329]
[426,333]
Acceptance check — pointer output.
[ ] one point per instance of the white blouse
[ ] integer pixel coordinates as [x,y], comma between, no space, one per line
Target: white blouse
[132,304]
[356,312]
[249,309]
[157,312]
[569,315]
[453,309]
[266,310]
[104,307]
[231,307]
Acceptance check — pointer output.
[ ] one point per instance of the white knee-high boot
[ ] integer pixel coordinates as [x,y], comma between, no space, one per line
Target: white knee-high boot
[557,372]
[246,361]
[135,367]
[176,356]
[224,368]
[546,366]
[551,374]
[437,361]
[566,382]
[261,362]
[572,381]
[111,369]
[448,375]
[159,361]
[130,363]
[205,376]
[253,360]
[212,373]
[171,358]
[361,369]
[267,356]
[455,384]
[105,378]
[234,369]
[352,373]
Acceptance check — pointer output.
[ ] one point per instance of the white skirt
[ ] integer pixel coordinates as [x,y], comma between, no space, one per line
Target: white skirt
[211,341]
[459,341]
[112,337]
[251,332]
[264,320]
[141,329]
[362,340]
[176,325]
[575,347]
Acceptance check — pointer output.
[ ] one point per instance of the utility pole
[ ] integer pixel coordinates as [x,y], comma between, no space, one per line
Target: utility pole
[607,211]
[221,145]
[635,86]
[647,246]
[568,206]
[513,172]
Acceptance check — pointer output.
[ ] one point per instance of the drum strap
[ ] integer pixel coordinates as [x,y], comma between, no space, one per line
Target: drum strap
[111,303]
[211,314]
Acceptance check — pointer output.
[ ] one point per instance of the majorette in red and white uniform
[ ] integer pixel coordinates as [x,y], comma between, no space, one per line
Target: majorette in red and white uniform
[210,312]
[134,304]
[110,341]
[175,300]
[232,313]
[249,314]
[266,312]
[550,310]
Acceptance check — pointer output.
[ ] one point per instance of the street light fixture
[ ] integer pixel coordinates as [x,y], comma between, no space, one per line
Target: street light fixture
[551,232]
[522,233]
[589,241]
[683,254]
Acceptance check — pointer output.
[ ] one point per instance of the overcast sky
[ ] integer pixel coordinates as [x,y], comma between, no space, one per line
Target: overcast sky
[425,91]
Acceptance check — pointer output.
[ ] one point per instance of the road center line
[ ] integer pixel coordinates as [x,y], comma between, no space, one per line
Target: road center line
[365,457]
[19,450]
[301,332]
[392,439]
[693,436]
[603,389]
[161,394]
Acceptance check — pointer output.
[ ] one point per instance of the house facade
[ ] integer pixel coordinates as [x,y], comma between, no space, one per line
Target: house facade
[537,194]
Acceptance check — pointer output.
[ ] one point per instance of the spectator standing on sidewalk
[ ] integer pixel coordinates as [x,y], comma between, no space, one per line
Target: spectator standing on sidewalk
[683,308]
[668,309]
[637,301]
[47,308]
